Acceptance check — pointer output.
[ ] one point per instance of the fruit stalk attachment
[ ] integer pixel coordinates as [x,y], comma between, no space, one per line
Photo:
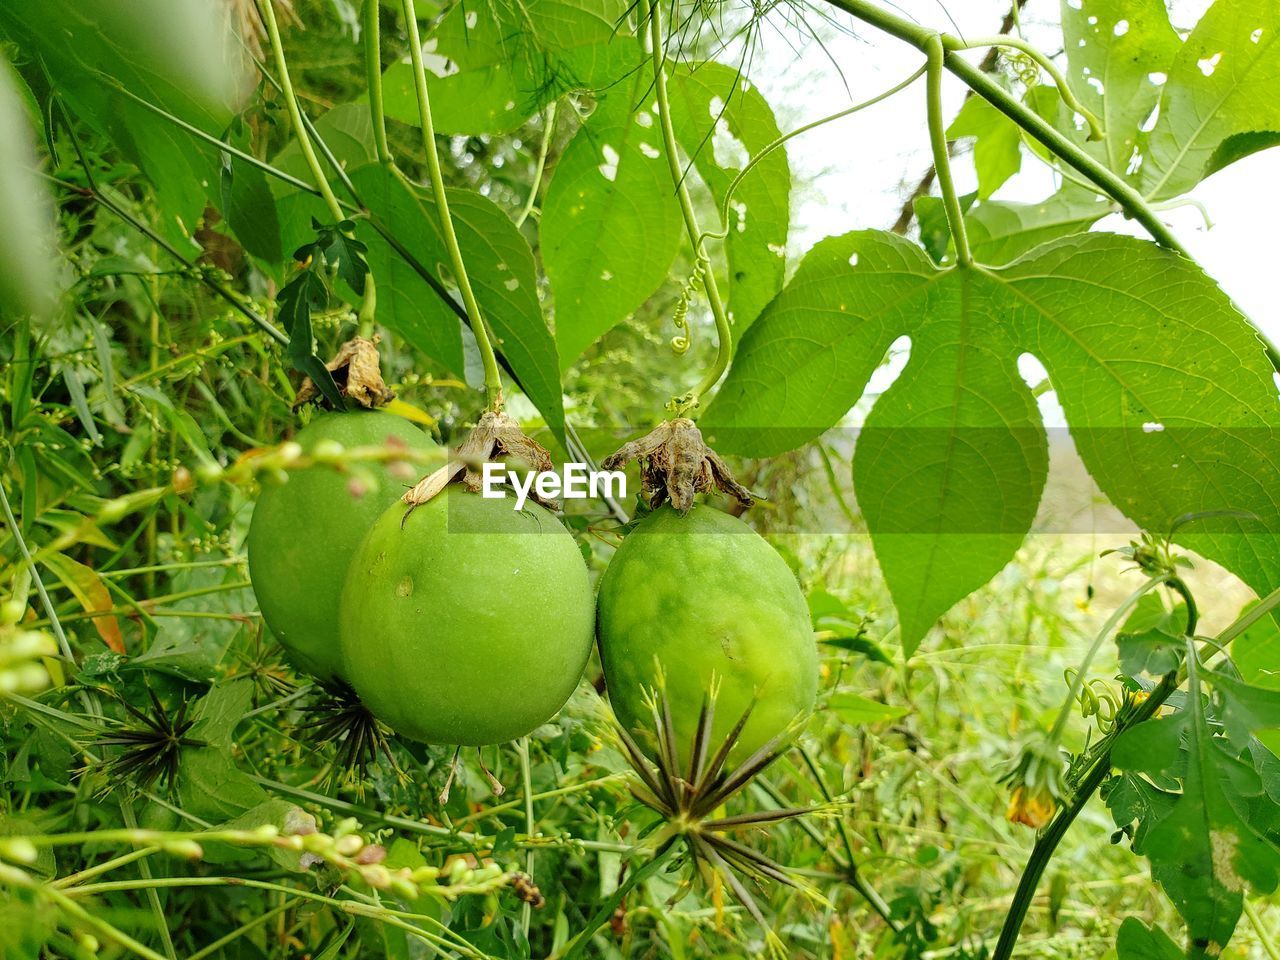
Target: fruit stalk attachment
[675,464]
[357,370]
[495,437]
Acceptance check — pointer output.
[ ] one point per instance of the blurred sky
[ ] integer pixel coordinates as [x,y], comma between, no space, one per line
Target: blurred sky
[856,170]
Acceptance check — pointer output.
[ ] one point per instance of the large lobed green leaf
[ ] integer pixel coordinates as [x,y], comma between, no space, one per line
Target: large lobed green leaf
[1204,845]
[1169,395]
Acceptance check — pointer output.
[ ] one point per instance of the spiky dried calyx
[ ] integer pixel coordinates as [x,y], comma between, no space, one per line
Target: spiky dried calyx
[675,464]
[357,371]
[690,795]
[496,437]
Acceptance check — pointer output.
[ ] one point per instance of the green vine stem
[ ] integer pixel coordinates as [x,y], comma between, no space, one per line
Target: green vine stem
[724,333]
[782,140]
[526,788]
[301,129]
[935,51]
[1268,941]
[984,86]
[1077,682]
[1048,841]
[548,130]
[1064,89]
[492,376]
[373,69]
[295,111]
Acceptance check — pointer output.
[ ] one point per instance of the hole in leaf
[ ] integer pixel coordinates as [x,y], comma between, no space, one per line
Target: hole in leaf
[609,169]
[730,153]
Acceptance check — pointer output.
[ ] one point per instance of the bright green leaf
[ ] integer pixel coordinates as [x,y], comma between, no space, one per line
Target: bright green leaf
[499,264]
[1113,49]
[1203,854]
[997,151]
[1222,84]
[610,224]
[1136,941]
[1166,387]
[1002,230]
[858,710]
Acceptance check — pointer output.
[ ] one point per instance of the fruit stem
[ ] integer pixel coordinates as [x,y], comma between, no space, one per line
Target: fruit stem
[295,112]
[492,376]
[941,157]
[369,299]
[724,333]
[373,69]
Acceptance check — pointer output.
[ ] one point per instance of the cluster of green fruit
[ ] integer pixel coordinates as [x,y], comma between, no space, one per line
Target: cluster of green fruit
[465,622]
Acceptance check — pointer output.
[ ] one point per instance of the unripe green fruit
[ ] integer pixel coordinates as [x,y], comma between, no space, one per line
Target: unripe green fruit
[471,624]
[304,532]
[698,597]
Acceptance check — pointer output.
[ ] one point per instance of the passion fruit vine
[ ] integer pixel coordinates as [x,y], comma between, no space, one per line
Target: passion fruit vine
[696,600]
[304,533]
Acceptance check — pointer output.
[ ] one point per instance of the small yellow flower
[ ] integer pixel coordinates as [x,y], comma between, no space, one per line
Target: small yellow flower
[1031,809]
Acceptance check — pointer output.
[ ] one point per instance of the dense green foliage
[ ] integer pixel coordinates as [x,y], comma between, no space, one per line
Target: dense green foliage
[201,202]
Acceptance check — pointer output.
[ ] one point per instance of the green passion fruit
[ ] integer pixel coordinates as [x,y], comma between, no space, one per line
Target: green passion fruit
[304,532]
[699,598]
[466,622]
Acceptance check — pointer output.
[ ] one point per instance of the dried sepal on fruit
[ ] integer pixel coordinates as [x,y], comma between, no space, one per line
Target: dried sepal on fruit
[495,437]
[689,795]
[360,739]
[357,370]
[675,464]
